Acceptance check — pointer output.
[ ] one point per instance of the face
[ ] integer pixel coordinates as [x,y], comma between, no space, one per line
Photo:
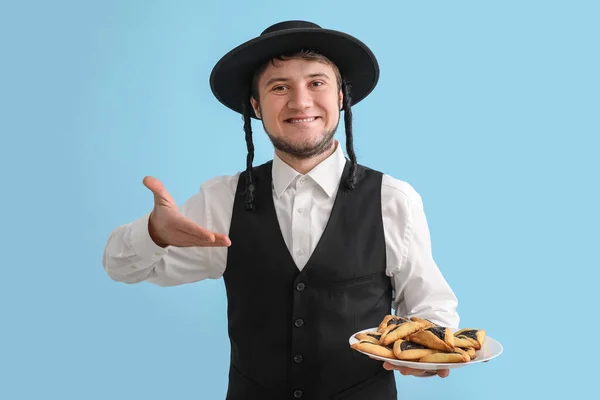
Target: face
[299,105]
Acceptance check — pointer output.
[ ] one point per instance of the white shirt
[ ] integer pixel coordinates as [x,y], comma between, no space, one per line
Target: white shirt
[303,204]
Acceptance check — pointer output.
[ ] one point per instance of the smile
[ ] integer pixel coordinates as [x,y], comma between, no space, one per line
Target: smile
[300,120]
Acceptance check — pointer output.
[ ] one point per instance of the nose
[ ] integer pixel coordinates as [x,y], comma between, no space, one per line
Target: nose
[300,99]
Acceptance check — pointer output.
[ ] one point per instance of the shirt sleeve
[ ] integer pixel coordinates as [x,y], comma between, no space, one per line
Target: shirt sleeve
[131,256]
[420,289]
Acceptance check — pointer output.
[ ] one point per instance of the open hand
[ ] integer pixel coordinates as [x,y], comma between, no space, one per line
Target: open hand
[168,227]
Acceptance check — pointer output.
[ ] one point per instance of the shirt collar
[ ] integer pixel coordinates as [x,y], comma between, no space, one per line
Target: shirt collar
[327,174]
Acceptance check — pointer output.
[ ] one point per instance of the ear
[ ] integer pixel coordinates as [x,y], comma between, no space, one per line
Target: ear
[255,106]
[341,100]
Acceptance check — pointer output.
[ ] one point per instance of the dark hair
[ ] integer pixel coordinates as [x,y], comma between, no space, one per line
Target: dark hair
[247,117]
[250,189]
[347,107]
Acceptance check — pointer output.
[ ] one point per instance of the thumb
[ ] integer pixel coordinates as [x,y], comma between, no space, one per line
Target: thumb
[156,187]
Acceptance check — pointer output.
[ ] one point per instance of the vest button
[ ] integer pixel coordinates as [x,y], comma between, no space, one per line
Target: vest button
[298,393]
[299,322]
[300,287]
[298,358]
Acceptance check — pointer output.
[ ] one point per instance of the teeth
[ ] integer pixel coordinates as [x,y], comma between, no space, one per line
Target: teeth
[293,121]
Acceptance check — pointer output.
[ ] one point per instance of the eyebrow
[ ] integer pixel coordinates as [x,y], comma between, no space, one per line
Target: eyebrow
[277,79]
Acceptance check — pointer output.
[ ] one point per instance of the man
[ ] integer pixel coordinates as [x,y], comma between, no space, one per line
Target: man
[312,247]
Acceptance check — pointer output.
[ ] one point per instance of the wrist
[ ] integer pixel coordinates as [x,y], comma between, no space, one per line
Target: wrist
[153,235]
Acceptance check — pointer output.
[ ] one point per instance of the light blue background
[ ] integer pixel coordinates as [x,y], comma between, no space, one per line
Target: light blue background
[489,109]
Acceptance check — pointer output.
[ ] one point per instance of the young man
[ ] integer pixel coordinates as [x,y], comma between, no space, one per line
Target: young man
[312,247]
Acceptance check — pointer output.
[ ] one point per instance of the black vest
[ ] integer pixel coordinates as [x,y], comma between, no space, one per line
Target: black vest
[288,329]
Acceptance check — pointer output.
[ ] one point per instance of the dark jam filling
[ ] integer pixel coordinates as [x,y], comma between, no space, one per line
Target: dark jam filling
[472,334]
[393,329]
[406,345]
[374,335]
[438,331]
[396,321]
[390,347]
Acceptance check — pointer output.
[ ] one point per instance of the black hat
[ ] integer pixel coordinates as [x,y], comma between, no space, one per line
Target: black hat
[231,77]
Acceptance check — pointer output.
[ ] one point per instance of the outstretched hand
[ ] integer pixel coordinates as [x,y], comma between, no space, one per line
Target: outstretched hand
[168,227]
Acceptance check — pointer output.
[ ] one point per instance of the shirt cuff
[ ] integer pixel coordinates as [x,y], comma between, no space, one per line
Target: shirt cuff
[141,242]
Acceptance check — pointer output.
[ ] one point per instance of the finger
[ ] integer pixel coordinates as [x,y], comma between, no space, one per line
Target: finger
[411,371]
[211,245]
[157,188]
[402,370]
[153,184]
[405,370]
[191,228]
[416,372]
[217,239]
[193,242]
[184,239]
[443,373]
[392,367]
[222,240]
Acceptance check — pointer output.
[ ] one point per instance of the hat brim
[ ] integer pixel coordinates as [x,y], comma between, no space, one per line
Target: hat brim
[231,77]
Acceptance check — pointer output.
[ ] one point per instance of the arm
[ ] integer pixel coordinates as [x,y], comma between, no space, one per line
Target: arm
[131,256]
[420,288]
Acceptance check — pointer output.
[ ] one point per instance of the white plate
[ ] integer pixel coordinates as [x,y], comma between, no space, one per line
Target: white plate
[491,349]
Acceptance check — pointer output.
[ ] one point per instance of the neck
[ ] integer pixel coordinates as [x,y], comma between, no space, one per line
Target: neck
[304,166]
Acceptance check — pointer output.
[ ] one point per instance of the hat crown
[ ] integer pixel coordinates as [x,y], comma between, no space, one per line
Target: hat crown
[296,24]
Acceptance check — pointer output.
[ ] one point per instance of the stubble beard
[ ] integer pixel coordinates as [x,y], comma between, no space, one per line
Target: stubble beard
[304,151]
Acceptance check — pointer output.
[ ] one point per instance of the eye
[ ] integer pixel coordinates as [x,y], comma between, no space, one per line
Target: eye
[318,83]
[278,88]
